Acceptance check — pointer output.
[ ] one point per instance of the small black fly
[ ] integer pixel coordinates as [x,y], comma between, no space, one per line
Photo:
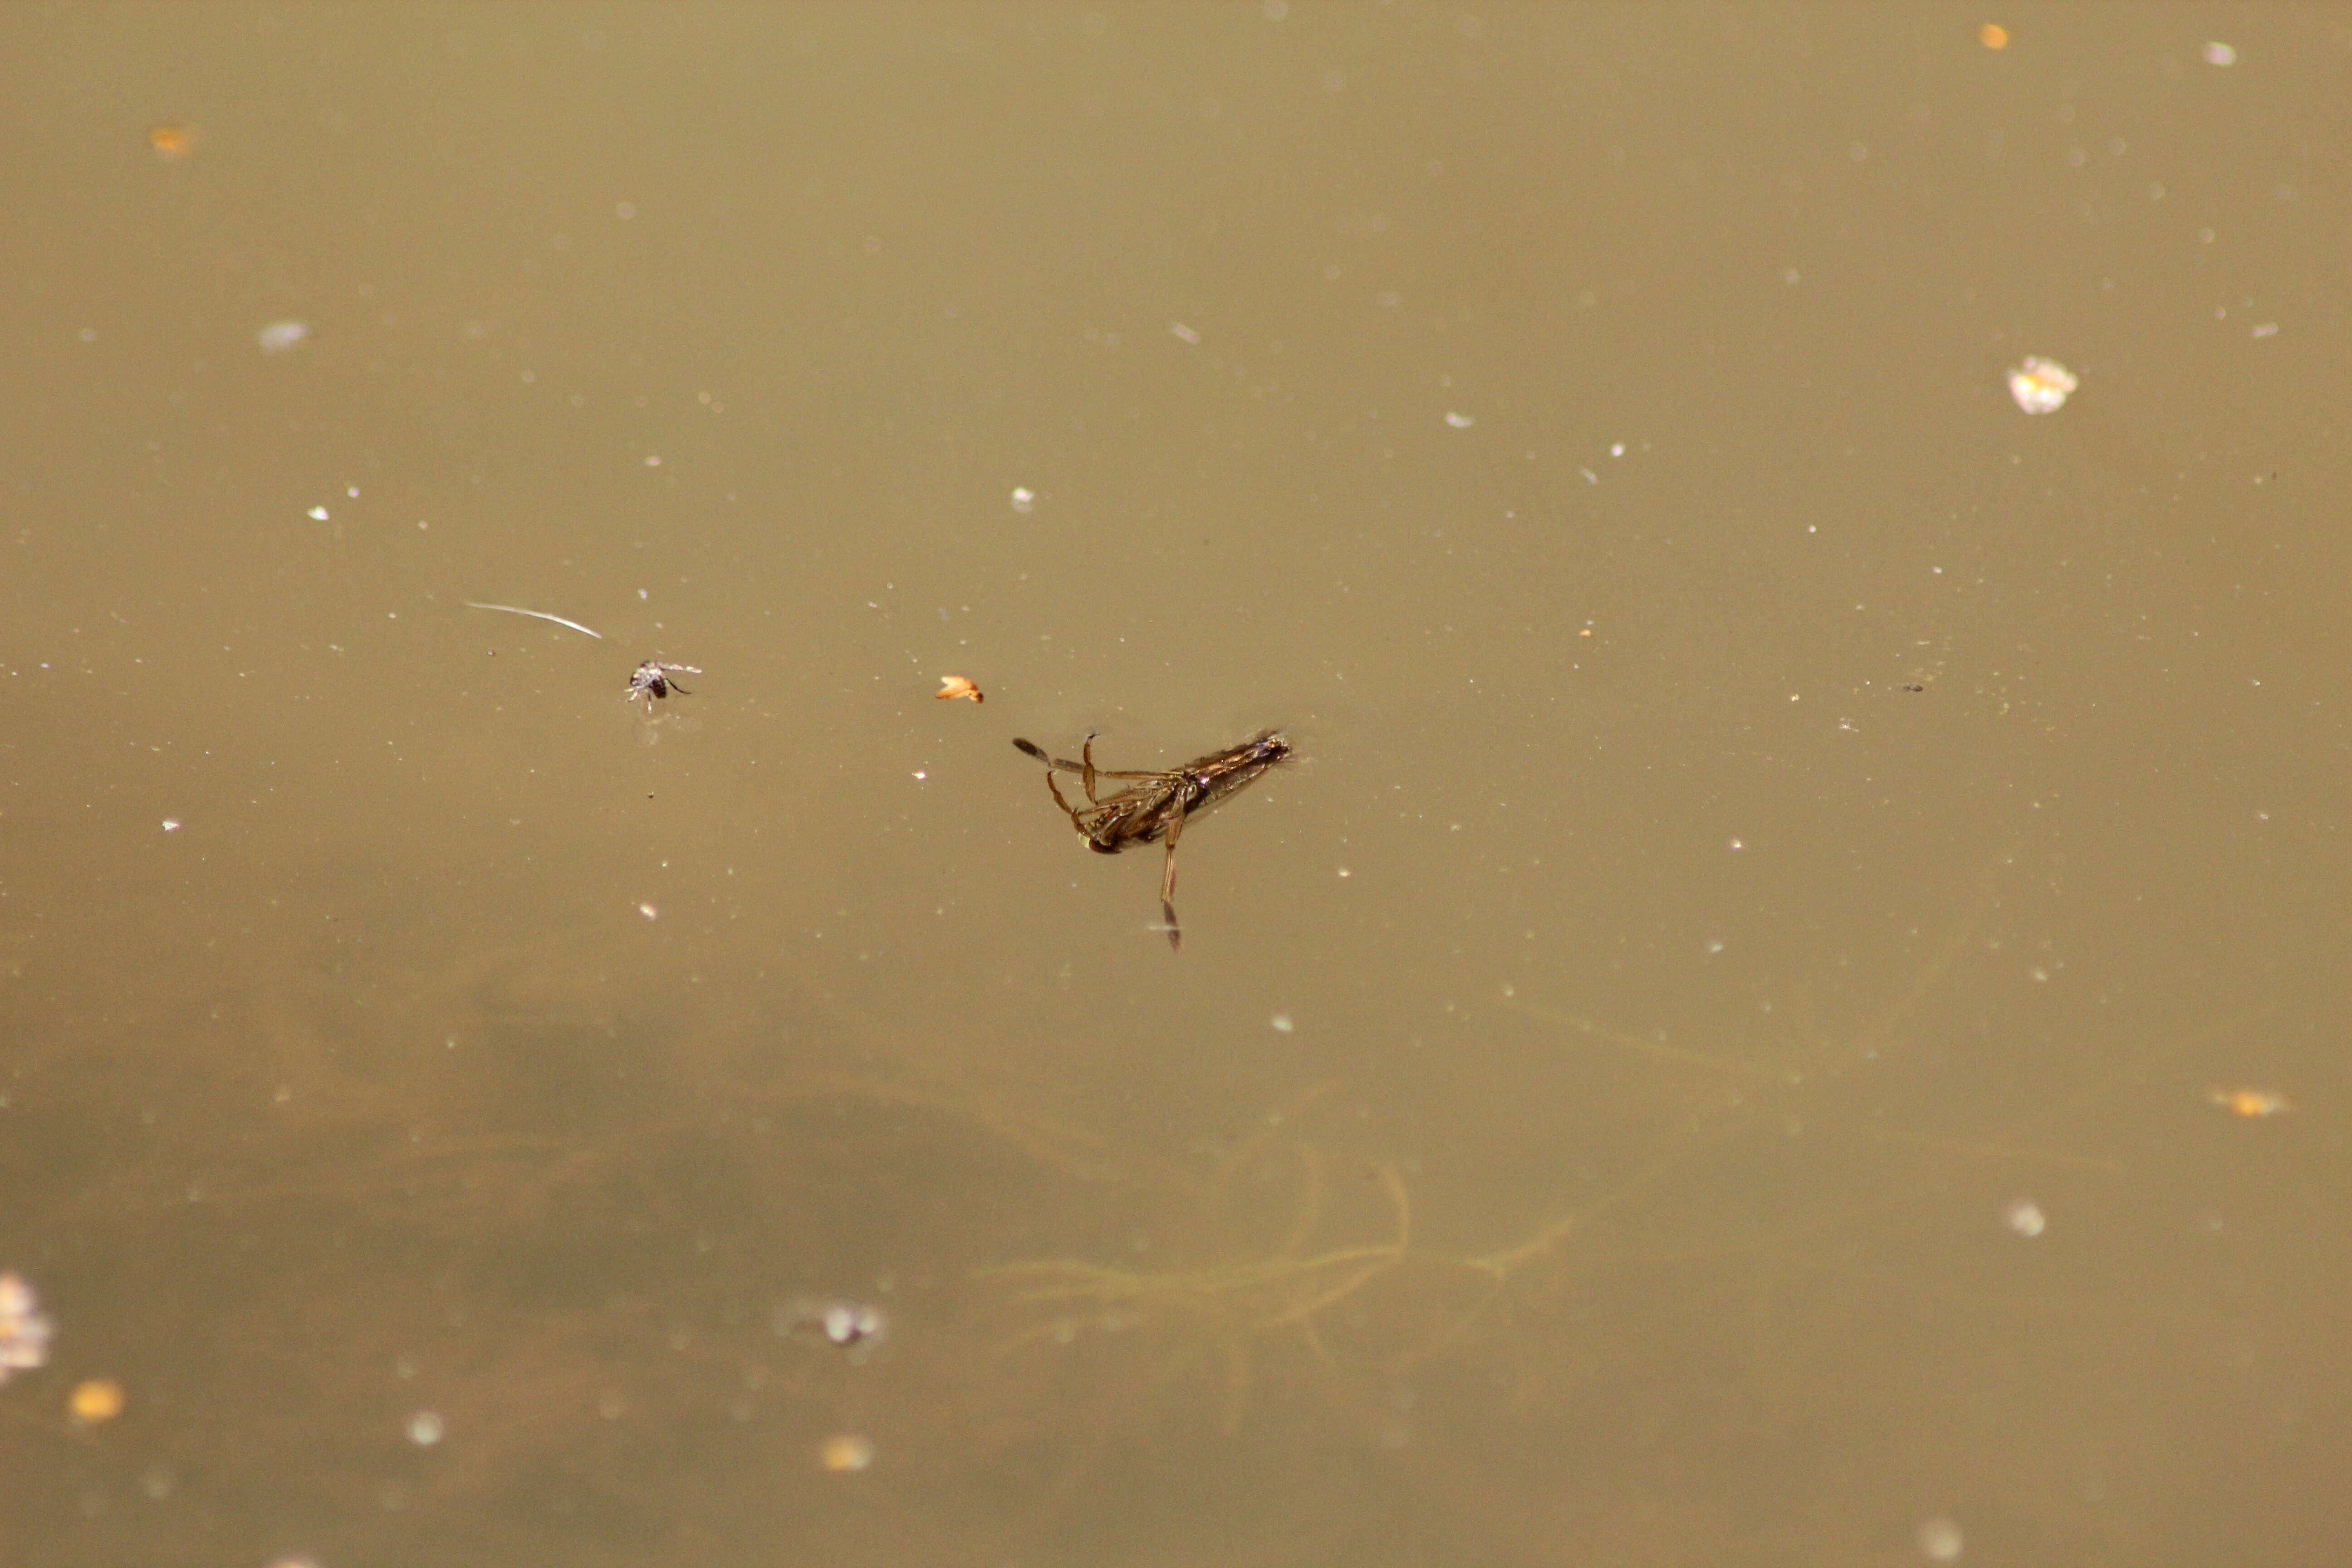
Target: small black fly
[652,681]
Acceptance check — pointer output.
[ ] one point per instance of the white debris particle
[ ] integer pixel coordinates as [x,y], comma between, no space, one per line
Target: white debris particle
[2040,385]
[23,1327]
[318,514]
[2024,1217]
[2267,329]
[1282,1023]
[171,825]
[1183,332]
[424,1429]
[648,912]
[2219,54]
[279,336]
[1939,1540]
[1024,499]
[1460,421]
[848,1322]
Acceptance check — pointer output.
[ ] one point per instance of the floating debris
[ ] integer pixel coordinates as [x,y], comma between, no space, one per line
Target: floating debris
[2025,1217]
[1024,499]
[848,1322]
[2042,385]
[846,1453]
[173,142]
[1460,421]
[1940,1541]
[1994,35]
[24,1328]
[652,681]
[2249,1101]
[95,1400]
[1184,333]
[955,686]
[535,616]
[2219,54]
[279,336]
[424,1429]
[856,1326]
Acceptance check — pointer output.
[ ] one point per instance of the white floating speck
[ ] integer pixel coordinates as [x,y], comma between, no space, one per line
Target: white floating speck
[648,912]
[1183,332]
[2267,329]
[849,1322]
[2220,55]
[318,514]
[24,1328]
[424,1429]
[1282,1023]
[653,462]
[278,336]
[1023,498]
[2040,385]
[1460,421]
[171,825]
[2025,1217]
[1939,1540]
[921,774]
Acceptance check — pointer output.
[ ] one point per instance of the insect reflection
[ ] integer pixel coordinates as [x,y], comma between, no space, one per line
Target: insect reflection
[1156,805]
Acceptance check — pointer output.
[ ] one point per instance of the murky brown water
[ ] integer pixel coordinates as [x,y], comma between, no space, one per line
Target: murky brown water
[1710,1054]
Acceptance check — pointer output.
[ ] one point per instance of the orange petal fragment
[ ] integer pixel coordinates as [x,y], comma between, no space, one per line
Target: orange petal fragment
[957,686]
[98,1399]
[846,1453]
